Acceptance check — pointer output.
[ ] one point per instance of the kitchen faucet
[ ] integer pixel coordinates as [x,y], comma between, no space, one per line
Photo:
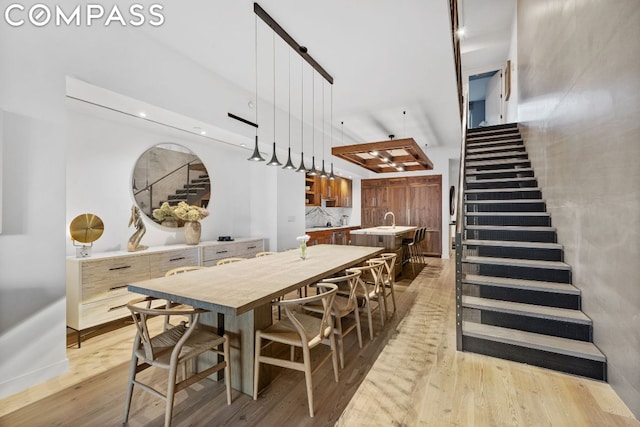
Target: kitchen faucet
[393,216]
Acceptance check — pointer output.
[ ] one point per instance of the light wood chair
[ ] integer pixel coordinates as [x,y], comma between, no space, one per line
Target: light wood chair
[370,290]
[388,278]
[302,330]
[170,348]
[343,306]
[265,253]
[178,270]
[229,260]
[183,269]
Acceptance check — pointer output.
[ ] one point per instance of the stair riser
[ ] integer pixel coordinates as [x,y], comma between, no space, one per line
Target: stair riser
[477,185]
[512,236]
[523,322]
[475,139]
[529,221]
[559,362]
[537,254]
[512,173]
[496,156]
[504,195]
[480,165]
[526,296]
[517,272]
[516,145]
[470,206]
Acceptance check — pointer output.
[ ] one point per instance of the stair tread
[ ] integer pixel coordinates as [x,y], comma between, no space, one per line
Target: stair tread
[541,311]
[515,262]
[534,285]
[510,227]
[475,150]
[496,154]
[505,201]
[491,140]
[476,163]
[494,180]
[512,244]
[501,190]
[507,214]
[569,347]
[496,171]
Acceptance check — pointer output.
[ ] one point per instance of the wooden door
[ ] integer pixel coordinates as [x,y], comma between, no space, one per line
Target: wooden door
[425,210]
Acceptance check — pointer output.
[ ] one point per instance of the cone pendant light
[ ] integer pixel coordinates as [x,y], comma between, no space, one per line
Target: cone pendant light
[256,157]
[323,173]
[313,171]
[289,165]
[302,167]
[274,159]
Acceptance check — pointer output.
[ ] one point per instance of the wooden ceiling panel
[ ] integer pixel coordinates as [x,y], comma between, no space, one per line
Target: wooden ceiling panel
[394,155]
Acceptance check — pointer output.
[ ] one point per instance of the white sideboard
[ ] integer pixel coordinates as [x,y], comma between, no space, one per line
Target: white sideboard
[97,285]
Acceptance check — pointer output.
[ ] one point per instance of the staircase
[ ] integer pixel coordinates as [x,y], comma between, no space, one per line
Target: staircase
[197,188]
[517,300]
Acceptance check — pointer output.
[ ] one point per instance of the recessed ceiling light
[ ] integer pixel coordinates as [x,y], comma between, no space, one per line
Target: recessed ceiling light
[243,145]
[203,133]
[373,153]
[393,164]
[142,114]
[250,104]
[461,32]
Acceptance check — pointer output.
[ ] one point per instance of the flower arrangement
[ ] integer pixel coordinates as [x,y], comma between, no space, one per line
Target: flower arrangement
[303,245]
[182,211]
[187,212]
[164,212]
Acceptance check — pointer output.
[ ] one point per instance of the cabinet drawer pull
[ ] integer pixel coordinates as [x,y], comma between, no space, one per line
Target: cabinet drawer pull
[120,268]
[118,287]
[176,259]
[251,247]
[117,307]
[222,252]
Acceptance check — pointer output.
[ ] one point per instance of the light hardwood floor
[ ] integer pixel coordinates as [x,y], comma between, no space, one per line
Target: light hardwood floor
[409,375]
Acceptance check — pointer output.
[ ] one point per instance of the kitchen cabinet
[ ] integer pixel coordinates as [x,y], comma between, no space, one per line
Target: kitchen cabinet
[326,236]
[414,201]
[334,193]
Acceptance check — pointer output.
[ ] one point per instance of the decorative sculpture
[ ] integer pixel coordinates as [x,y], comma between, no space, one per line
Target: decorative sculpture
[134,240]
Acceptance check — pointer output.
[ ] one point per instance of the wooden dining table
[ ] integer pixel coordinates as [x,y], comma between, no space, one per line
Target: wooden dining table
[238,295]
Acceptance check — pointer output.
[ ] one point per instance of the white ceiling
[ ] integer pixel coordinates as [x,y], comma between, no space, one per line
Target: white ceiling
[385,56]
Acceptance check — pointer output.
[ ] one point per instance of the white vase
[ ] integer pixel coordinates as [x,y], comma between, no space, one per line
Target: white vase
[192,230]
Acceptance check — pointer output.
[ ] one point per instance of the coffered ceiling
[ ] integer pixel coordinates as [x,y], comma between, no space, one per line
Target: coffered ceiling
[386,57]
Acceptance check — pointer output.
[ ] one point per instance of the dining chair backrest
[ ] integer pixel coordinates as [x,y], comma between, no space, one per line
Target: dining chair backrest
[292,307]
[389,264]
[183,269]
[374,271]
[265,253]
[347,281]
[229,260]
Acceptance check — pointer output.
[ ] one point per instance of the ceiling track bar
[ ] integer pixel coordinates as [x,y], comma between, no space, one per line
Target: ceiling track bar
[301,50]
[240,119]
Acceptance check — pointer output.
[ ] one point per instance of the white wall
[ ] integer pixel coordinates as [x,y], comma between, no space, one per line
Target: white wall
[511,105]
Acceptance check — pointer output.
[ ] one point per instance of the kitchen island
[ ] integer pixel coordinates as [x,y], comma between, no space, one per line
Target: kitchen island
[388,237]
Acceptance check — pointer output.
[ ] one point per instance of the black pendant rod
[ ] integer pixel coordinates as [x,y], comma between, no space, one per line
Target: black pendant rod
[302,51]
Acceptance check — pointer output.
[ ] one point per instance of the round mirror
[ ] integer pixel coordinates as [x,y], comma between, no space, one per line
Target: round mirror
[169,173]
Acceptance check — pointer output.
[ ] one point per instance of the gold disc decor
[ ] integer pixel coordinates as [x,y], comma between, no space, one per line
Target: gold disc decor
[86,229]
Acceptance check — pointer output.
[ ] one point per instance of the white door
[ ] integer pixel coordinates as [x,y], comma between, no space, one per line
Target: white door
[493,100]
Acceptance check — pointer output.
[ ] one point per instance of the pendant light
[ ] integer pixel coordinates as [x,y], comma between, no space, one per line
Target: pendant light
[332,177]
[323,173]
[289,165]
[303,167]
[274,159]
[256,157]
[313,171]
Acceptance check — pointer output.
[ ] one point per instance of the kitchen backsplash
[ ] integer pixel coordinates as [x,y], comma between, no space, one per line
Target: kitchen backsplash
[317,216]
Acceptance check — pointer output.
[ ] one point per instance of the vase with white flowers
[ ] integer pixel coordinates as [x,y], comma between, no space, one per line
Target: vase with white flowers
[191,215]
[303,245]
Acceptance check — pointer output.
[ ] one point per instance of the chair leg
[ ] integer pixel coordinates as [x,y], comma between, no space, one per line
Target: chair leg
[393,296]
[171,389]
[307,374]
[340,341]
[334,357]
[370,319]
[227,368]
[256,366]
[132,376]
[358,327]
